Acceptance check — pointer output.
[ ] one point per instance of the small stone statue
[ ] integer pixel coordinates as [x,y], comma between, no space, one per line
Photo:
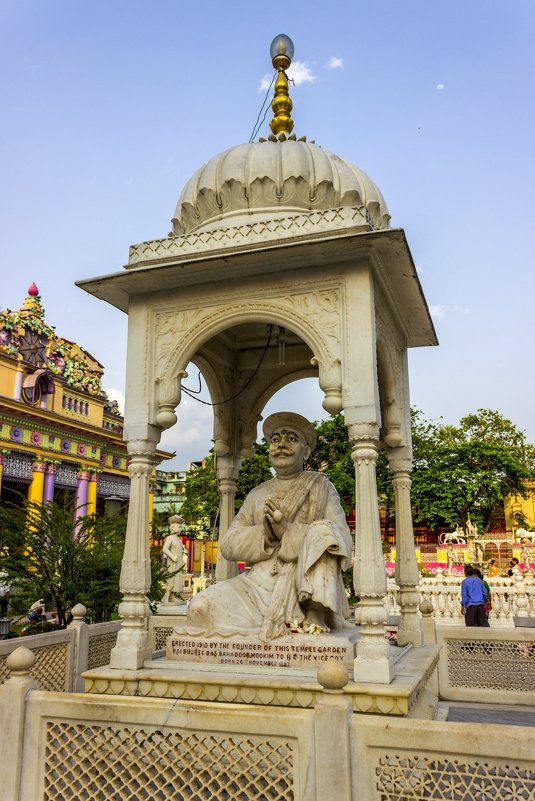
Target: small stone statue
[293,532]
[173,552]
[451,559]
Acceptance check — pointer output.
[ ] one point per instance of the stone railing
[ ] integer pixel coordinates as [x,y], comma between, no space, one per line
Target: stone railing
[62,746]
[511,598]
[486,665]
[62,656]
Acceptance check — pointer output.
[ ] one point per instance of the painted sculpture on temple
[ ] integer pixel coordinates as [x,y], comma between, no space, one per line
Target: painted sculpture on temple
[293,532]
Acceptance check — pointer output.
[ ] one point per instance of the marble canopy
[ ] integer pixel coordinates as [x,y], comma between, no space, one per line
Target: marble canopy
[277,236]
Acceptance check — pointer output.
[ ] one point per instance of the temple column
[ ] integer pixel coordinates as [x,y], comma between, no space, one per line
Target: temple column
[50,475]
[36,488]
[2,460]
[133,647]
[80,503]
[407,575]
[373,662]
[91,506]
[17,389]
[227,469]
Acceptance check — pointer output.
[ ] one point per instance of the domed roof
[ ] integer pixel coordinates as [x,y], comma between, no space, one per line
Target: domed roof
[276,176]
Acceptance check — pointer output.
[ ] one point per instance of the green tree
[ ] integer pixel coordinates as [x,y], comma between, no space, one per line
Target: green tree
[255,469]
[45,556]
[332,456]
[201,505]
[467,471]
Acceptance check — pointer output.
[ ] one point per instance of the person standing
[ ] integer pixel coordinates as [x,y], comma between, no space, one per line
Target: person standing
[473,597]
[488,601]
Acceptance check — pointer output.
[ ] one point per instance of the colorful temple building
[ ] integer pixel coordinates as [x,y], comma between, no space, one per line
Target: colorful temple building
[60,435]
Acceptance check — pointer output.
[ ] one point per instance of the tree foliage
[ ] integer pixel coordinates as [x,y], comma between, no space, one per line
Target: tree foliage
[45,556]
[467,471]
[202,497]
[332,456]
[255,469]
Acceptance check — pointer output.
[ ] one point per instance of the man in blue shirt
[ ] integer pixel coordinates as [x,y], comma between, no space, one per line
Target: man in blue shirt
[473,596]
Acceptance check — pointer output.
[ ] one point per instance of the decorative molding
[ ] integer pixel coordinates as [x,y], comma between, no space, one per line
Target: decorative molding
[315,312]
[290,227]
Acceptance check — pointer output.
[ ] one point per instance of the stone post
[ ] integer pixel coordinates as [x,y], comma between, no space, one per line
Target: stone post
[132,647]
[13,697]
[81,646]
[428,623]
[407,575]
[332,734]
[227,468]
[521,598]
[373,662]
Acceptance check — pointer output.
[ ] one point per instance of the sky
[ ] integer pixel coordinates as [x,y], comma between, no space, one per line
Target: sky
[109,106]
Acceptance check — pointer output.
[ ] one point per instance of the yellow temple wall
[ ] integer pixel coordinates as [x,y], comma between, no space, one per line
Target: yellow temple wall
[515,505]
[8,371]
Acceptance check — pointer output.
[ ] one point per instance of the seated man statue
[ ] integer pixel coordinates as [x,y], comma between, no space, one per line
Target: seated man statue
[293,533]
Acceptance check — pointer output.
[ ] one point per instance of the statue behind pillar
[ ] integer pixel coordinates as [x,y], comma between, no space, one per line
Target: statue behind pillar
[173,553]
[293,533]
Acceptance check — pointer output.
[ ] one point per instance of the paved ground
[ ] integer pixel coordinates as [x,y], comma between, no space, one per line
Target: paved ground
[487,713]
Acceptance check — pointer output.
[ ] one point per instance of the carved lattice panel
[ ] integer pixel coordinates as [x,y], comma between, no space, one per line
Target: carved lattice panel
[415,778]
[50,669]
[491,664]
[100,648]
[161,634]
[86,762]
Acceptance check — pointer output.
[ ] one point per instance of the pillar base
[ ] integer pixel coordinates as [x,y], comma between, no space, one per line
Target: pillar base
[374,671]
[131,651]
[410,637]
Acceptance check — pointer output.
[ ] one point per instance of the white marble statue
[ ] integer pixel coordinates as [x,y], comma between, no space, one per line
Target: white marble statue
[479,553]
[521,534]
[451,559]
[173,553]
[471,530]
[456,536]
[293,533]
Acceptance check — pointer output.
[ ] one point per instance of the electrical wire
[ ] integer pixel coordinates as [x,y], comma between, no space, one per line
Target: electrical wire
[192,392]
[257,125]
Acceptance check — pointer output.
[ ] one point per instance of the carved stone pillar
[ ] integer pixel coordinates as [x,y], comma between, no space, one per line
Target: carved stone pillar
[407,575]
[373,662]
[227,468]
[132,647]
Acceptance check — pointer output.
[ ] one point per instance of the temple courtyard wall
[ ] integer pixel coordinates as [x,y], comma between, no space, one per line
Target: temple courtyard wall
[198,731]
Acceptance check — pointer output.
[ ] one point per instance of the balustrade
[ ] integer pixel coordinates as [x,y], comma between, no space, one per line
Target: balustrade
[510,598]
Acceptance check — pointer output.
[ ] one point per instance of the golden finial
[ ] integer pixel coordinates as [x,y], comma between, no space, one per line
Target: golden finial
[281,50]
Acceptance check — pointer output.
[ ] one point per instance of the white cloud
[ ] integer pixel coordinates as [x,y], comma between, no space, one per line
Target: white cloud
[461,309]
[440,87]
[438,312]
[300,72]
[265,82]
[116,395]
[335,63]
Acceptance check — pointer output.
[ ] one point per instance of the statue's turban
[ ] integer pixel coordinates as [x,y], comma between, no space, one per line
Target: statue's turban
[290,421]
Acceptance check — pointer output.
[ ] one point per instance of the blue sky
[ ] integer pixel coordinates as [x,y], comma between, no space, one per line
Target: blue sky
[109,106]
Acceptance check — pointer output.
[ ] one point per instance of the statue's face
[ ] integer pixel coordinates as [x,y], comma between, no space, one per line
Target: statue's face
[287,451]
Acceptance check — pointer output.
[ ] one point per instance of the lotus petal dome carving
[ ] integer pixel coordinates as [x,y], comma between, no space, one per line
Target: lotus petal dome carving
[267,177]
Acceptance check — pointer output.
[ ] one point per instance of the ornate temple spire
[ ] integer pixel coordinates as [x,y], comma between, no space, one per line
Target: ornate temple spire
[281,50]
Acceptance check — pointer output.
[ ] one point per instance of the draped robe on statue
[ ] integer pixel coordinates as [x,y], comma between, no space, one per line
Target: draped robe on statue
[305,565]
